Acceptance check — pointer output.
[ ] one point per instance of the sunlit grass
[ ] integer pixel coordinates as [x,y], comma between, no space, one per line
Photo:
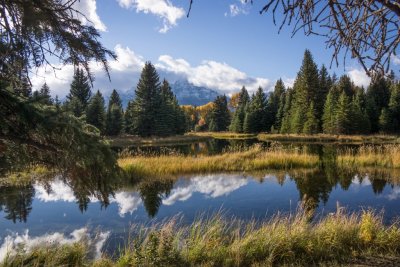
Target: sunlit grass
[253,159]
[224,135]
[292,239]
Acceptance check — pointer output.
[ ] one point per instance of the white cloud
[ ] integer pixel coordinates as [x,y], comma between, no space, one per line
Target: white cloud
[88,9]
[395,60]
[212,186]
[164,9]
[395,194]
[242,8]
[14,242]
[359,77]
[127,202]
[289,82]
[212,74]
[124,74]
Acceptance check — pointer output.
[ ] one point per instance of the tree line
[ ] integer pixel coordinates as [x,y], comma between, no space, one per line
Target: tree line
[317,103]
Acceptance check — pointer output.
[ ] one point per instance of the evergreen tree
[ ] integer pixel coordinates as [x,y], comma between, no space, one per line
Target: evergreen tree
[220,116]
[311,125]
[115,115]
[378,96]
[394,107]
[95,113]
[385,124]
[343,114]
[146,104]
[285,125]
[240,113]
[329,115]
[273,104]
[129,117]
[43,95]
[345,85]
[280,113]
[257,110]
[79,95]
[360,123]
[325,83]
[305,89]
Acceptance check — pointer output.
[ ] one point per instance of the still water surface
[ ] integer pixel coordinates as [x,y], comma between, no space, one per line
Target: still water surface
[67,210]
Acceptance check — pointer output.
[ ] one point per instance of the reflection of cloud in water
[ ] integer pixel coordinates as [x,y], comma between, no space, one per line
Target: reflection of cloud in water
[365,181]
[59,192]
[395,194]
[14,242]
[210,185]
[127,202]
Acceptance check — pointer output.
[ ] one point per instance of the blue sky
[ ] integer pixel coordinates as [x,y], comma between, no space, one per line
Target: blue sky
[223,45]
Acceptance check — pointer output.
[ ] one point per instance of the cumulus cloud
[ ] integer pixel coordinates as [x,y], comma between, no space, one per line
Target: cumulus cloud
[124,74]
[212,74]
[211,186]
[127,202]
[395,194]
[15,241]
[164,9]
[241,8]
[88,9]
[359,77]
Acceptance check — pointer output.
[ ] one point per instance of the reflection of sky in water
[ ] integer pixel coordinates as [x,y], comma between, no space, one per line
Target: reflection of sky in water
[55,215]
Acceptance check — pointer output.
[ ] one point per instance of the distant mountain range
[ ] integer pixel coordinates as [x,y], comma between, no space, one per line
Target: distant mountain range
[186,93]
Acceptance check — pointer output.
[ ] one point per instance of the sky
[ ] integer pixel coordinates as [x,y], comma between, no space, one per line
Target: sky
[222,45]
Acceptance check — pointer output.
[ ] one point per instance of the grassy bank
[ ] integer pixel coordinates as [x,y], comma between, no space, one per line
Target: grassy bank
[252,159]
[130,140]
[338,238]
[257,158]
[327,138]
[223,135]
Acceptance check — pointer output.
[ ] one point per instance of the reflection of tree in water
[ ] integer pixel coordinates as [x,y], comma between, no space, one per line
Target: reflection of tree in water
[16,202]
[152,194]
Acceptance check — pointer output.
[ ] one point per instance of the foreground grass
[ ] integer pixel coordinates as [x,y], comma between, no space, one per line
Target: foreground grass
[293,240]
[252,159]
[329,138]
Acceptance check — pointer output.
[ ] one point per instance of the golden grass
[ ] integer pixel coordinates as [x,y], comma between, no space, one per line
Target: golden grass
[324,138]
[252,159]
[130,140]
[294,240]
[224,135]
[384,156]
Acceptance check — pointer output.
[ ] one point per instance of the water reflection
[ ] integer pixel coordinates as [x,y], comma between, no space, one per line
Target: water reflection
[130,195]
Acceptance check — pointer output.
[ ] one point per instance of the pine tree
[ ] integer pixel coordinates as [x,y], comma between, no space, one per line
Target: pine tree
[220,117]
[280,113]
[95,113]
[147,101]
[129,117]
[43,95]
[385,124]
[345,85]
[311,125]
[325,84]
[258,111]
[343,114]
[285,125]
[305,89]
[79,95]
[273,104]
[115,115]
[240,113]
[329,115]
[359,123]
[378,96]
[394,106]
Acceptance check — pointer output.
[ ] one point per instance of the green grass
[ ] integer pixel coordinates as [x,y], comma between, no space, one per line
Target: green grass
[329,138]
[293,240]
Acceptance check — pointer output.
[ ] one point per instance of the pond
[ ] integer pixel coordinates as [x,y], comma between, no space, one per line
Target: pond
[65,209]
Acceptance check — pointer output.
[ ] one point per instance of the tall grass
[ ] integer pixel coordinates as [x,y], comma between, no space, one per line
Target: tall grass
[383,156]
[252,159]
[216,241]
